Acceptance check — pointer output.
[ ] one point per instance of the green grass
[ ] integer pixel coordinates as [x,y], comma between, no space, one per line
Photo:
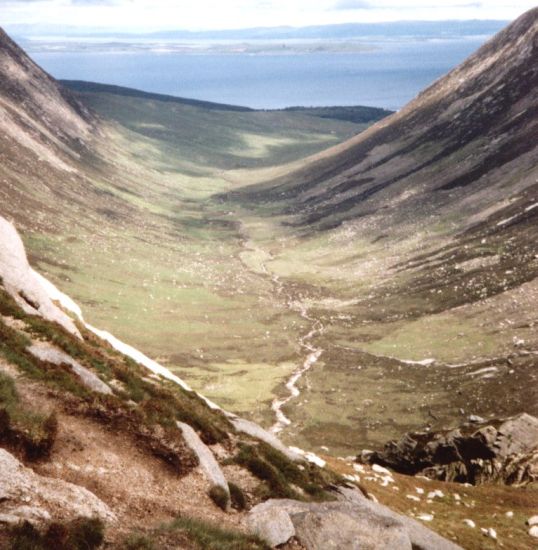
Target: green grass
[210,537]
[282,477]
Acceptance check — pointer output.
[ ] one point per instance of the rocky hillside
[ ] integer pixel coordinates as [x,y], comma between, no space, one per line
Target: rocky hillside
[92,439]
[99,444]
[37,113]
[463,146]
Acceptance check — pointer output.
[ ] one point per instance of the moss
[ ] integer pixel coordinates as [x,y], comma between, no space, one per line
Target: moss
[238,498]
[219,496]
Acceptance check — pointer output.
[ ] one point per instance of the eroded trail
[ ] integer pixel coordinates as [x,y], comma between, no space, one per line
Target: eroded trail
[305,342]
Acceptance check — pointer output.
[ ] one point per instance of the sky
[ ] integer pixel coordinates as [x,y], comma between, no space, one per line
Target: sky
[151,15]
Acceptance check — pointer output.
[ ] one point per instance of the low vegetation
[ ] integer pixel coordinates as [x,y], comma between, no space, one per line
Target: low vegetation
[219,496]
[22,428]
[207,536]
[283,478]
[80,534]
[237,496]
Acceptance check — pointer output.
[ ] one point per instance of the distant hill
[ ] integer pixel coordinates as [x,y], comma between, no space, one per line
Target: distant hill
[356,114]
[424,29]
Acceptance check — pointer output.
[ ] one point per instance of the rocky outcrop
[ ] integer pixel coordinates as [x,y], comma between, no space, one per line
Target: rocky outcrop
[21,282]
[47,352]
[476,452]
[25,495]
[207,460]
[351,522]
[254,430]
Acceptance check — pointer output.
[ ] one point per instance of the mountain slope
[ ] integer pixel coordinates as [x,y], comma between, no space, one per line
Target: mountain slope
[416,243]
[36,110]
[468,135]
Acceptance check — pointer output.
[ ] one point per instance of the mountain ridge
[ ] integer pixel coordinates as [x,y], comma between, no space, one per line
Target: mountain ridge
[511,52]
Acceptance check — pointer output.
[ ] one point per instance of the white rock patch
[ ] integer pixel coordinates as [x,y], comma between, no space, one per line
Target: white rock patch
[21,282]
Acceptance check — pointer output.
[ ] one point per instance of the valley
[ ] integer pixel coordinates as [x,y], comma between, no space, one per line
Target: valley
[231,296]
[321,294]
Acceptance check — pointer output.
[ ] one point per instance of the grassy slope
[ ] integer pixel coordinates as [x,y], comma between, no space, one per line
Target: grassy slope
[149,257]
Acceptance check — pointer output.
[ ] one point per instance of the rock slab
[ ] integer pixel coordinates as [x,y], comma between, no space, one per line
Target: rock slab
[25,495]
[351,522]
[207,460]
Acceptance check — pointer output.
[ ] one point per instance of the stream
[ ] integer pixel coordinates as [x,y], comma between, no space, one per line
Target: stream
[305,342]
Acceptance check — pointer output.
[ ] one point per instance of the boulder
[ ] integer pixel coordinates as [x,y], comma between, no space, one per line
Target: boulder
[22,283]
[207,460]
[343,525]
[496,450]
[254,430]
[271,523]
[352,521]
[25,495]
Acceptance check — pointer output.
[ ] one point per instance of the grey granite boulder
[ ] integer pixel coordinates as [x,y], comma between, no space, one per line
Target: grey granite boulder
[271,523]
[207,460]
[25,495]
[350,522]
[342,525]
[494,450]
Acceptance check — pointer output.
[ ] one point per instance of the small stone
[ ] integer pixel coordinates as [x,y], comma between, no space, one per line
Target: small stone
[532,520]
[509,514]
[380,470]
[425,517]
[489,532]
[533,531]
[470,523]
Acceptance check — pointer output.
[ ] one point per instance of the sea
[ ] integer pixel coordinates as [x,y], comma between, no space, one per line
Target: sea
[388,74]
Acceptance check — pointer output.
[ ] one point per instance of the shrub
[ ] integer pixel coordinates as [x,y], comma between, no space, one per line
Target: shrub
[86,533]
[39,445]
[80,534]
[219,496]
[137,542]
[33,433]
[238,498]
[249,457]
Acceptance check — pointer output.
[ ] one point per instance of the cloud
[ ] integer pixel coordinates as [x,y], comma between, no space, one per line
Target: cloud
[407,6]
[353,5]
[71,2]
